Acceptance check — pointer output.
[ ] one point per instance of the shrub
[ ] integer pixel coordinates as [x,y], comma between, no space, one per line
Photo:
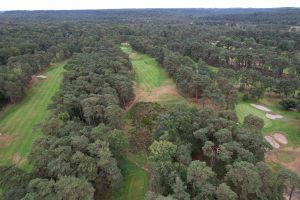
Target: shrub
[288,104]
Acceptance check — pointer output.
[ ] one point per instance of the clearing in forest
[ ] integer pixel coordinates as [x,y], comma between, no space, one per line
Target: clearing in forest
[18,123]
[135,183]
[152,83]
[289,126]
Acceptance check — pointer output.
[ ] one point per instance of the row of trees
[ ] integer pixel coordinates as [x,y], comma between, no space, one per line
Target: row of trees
[270,54]
[26,50]
[77,157]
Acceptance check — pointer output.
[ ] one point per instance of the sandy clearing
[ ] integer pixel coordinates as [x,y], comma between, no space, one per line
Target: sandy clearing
[294,165]
[156,94]
[273,116]
[280,138]
[260,107]
[272,141]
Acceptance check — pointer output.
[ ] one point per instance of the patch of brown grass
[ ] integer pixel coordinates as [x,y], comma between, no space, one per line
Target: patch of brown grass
[5,140]
[278,156]
[18,160]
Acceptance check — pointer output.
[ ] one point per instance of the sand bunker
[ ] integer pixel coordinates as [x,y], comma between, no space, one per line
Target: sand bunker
[275,139]
[263,108]
[41,76]
[272,141]
[269,113]
[280,138]
[272,116]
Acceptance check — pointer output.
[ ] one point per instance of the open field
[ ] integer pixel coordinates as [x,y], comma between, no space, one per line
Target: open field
[18,123]
[135,183]
[152,83]
[148,73]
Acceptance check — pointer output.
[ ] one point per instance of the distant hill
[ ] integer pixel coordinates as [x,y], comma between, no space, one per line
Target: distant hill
[207,14]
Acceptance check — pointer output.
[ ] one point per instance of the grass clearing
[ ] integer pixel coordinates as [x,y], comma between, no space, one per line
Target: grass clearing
[135,183]
[243,109]
[152,81]
[148,73]
[152,85]
[213,69]
[20,120]
[289,125]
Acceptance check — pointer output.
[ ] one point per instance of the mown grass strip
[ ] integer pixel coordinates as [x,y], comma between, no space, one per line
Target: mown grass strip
[135,183]
[20,120]
[148,73]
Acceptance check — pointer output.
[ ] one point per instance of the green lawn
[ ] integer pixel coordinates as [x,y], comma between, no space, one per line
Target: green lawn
[19,122]
[214,69]
[243,109]
[135,183]
[148,73]
[289,125]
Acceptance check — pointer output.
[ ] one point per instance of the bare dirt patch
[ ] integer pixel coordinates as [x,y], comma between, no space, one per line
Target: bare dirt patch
[33,80]
[133,55]
[18,160]
[155,95]
[292,162]
[5,140]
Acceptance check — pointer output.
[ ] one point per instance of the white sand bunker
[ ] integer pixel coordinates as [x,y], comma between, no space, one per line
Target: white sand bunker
[260,107]
[41,76]
[275,139]
[273,116]
[272,141]
[269,113]
[280,138]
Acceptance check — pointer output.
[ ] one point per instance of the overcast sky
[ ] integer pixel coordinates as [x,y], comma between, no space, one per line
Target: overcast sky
[109,4]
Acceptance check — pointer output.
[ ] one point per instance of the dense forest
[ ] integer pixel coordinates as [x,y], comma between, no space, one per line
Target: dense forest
[194,153]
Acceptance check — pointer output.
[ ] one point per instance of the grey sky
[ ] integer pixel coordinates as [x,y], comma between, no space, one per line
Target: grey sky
[109,4]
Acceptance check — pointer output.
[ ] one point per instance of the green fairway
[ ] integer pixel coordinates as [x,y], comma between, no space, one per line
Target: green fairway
[135,183]
[18,123]
[148,73]
[289,125]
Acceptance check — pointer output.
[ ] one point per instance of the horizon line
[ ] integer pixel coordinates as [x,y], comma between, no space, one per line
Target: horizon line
[146,8]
